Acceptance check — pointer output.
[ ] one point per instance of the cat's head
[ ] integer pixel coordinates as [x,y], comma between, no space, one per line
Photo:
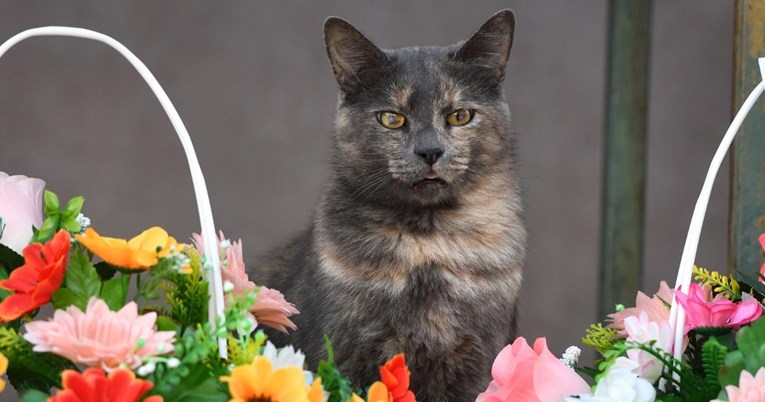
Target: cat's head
[420,126]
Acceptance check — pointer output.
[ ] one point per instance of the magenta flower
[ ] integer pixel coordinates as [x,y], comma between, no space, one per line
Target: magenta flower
[21,207]
[655,307]
[703,311]
[271,308]
[100,337]
[531,375]
[762,268]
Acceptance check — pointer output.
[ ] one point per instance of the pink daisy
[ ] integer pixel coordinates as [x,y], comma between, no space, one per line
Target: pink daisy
[271,309]
[100,337]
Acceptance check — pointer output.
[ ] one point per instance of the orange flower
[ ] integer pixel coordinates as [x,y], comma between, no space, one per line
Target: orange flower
[378,392]
[140,252]
[93,385]
[395,375]
[34,282]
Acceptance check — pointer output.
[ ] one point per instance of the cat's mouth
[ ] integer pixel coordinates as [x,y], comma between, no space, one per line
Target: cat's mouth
[431,180]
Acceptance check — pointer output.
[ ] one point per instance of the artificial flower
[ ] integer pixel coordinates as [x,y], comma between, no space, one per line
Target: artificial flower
[34,282]
[395,375]
[260,381]
[703,311]
[642,330]
[21,208]
[531,375]
[140,252]
[271,308]
[100,337]
[3,367]
[655,307]
[620,384]
[750,388]
[120,385]
[378,392]
[284,357]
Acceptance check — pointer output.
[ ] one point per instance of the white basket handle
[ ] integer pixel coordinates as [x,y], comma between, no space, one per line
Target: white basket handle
[200,188]
[685,271]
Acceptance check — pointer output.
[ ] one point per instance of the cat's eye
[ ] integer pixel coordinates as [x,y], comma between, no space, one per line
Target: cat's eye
[459,117]
[391,119]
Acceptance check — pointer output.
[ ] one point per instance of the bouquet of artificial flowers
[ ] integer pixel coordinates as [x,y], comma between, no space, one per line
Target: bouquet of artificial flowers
[130,321]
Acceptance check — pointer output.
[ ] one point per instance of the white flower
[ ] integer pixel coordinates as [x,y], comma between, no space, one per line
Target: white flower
[284,357]
[228,287]
[642,330]
[620,384]
[83,221]
[571,356]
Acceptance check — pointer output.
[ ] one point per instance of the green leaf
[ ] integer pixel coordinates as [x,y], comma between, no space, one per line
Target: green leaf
[711,331]
[73,207]
[47,229]
[52,205]
[332,380]
[34,395]
[28,369]
[751,279]
[81,278]
[114,292]
[70,224]
[166,324]
[9,259]
[200,385]
[713,358]
[63,298]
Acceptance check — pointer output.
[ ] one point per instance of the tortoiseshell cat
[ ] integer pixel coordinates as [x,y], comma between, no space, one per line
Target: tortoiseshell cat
[417,244]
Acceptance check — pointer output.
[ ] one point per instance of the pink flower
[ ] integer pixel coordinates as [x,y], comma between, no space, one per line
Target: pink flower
[641,329]
[21,207]
[703,311]
[99,336]
[750,388]
[272,308]
[531,375]
[655,307]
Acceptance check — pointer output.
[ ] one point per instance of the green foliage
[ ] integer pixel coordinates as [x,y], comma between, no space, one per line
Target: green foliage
[9,259]
[713,358]
[749,356]
[600,338]
[724,285]
[197,374]
[28,369]
[332,380]
[34,396]
[55,219]
[244,349]
[81,281]
[115,291]
[187,295]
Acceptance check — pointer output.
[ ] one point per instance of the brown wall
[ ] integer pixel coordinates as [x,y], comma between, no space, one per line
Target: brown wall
[252,83]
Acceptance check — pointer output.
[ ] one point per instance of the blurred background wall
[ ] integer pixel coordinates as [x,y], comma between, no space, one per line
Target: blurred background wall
[252,83]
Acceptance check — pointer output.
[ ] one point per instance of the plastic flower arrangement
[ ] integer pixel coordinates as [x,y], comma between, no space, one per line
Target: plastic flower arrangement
[129,317]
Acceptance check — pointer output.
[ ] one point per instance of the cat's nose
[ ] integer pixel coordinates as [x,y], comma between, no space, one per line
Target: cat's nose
[429,154]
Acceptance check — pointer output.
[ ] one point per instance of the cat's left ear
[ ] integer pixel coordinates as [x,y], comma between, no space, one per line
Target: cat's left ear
[490,46]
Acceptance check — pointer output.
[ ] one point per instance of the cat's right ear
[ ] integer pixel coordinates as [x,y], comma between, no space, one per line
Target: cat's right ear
[350,53]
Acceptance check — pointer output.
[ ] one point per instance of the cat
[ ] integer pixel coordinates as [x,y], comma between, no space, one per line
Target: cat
[417,243]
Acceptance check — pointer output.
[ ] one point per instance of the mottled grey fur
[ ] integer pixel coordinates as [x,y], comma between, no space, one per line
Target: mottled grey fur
[394,264]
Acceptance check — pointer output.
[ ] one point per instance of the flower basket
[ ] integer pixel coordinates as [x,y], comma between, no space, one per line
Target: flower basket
[147,318]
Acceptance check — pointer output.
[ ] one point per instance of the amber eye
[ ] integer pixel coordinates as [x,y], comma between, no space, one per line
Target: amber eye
[391,119]
[459,117]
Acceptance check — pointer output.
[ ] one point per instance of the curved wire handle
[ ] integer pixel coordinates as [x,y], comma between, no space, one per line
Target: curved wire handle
[215,311]
[685,271]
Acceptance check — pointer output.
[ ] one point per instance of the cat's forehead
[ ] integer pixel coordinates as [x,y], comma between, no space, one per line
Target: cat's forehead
[424,75]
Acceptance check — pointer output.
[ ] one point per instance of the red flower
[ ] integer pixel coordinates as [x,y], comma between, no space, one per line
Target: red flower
[94,386]
[395,376]
[34,282]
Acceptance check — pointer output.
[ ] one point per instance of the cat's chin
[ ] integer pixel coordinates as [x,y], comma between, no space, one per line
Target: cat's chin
[429,184]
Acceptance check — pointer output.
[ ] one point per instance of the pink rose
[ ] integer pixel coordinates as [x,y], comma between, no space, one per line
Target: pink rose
[655,307]
[531,375]
[21,207]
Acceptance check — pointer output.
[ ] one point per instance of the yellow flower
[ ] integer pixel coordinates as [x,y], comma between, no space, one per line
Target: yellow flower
[139,252]
[3,367]
[259,382]
[378,392]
